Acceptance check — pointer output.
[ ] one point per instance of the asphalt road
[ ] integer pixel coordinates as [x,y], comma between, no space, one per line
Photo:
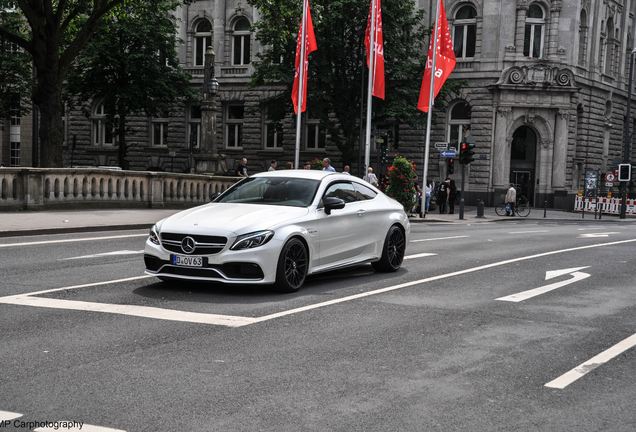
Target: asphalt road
[437,346]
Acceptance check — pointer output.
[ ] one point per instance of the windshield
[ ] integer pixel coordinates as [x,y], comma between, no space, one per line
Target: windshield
[284,191]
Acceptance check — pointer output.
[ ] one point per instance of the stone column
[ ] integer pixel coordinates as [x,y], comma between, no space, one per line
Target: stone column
[500,175]
[522,13]
[559,158]
[553,30]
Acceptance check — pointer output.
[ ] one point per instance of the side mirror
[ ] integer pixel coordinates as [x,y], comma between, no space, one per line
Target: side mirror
[332,203]
[214,196]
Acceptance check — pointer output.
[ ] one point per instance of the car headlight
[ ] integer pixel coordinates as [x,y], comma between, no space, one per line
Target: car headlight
[153,237]
[252,240]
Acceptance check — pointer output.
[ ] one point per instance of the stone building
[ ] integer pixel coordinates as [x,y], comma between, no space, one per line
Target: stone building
[544,100]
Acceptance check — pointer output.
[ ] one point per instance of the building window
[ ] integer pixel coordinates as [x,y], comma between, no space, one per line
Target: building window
[102,127]
[241,42]
[273,126]
[609,48]
[315,136]
[465,32]
[14,116]
[159,130]
[14,153]
[194,127]
[202,40]
[535,32]
[583,38]
[458,123]
[234,118]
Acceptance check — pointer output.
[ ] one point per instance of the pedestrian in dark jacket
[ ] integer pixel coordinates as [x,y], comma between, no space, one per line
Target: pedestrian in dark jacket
[452,194]
[442,195]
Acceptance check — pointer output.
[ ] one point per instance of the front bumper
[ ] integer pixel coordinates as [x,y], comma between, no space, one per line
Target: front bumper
[249,266]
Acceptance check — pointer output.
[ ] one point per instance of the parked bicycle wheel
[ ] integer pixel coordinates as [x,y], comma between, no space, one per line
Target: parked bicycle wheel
[523,207]
[500,209]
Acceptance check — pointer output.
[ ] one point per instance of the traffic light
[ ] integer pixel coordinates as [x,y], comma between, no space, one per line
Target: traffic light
[450,163]
[466,153]
[624,172]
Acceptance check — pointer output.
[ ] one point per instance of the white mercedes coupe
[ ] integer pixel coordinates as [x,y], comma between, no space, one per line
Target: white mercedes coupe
[278,227]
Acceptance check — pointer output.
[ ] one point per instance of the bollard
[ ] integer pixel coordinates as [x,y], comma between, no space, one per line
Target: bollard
[545,208]
[480,209]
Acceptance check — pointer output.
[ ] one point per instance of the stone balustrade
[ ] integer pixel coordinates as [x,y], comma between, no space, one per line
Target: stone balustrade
[43,188]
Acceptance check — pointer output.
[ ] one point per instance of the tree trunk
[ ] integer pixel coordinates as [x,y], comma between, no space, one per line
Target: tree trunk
[51,131]
[121,134]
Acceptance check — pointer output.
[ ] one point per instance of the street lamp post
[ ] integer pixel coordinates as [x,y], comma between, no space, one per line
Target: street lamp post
[208,115]
[626,132]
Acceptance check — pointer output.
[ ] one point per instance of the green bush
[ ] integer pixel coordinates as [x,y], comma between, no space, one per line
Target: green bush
[401,178]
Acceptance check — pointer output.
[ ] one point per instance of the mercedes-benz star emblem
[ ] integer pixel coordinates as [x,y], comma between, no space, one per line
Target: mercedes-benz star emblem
[188,245]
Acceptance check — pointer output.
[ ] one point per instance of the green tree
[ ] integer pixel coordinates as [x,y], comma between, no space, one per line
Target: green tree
[336,69]
[401,178]
[56,32]
[15,66]
[131,65]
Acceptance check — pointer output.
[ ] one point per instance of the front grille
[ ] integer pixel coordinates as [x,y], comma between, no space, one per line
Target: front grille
[205,245]
[194,272]
[235,270]
[152,262]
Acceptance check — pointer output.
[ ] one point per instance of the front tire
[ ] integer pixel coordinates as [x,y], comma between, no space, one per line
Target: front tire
[293,263]
[392,252]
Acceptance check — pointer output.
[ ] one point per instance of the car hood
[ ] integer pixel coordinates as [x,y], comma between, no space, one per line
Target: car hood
[226,218]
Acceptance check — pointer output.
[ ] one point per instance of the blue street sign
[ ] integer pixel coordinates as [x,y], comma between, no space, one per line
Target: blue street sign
[448,154]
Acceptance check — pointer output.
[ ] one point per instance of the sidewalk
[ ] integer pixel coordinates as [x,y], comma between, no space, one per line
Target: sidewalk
[59,222]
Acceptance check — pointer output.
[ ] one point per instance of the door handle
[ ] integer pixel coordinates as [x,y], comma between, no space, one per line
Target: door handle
[361,212]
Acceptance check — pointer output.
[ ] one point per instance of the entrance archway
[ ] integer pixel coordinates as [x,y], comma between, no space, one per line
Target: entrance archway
[523,158]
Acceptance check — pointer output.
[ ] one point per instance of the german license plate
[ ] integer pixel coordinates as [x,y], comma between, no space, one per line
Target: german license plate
[187,261]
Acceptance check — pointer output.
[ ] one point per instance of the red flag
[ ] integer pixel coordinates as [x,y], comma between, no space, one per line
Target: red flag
[378,72]
[310,46]
[444,61]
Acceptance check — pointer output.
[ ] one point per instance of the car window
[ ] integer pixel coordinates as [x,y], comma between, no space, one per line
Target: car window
[285,191]
[363,192]
[342,190]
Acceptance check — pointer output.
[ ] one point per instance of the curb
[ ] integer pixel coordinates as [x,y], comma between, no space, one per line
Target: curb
[44,231]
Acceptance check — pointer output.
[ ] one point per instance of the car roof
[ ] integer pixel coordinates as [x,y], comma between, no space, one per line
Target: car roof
[306,174]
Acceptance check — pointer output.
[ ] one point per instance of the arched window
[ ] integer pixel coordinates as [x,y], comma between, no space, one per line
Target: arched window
[202,40]
[465,32]
[102,127]
[458,123]
[609,47]
[535,32]
[583,38]
[241,36]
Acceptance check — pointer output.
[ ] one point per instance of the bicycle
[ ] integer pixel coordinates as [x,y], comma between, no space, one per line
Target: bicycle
[522,208]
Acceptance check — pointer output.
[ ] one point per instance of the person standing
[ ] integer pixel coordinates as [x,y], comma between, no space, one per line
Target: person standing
[427,195]
[510,200]
[452,194]
[326,165]
[241,169]
[347,170]
[371,178]
[272,165]
[442,195]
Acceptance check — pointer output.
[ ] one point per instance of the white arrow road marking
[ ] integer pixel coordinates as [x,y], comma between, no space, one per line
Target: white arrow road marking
[596,235]
[438,238]
[8,415]
[83,428]
[525,295]
[421,255]
[114,253]
[581,370]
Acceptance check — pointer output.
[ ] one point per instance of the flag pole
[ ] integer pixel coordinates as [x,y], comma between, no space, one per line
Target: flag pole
[301,74]
[367,141]
[429,117]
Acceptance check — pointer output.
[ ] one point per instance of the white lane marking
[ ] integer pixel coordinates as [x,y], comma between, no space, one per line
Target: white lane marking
[551,274]
[597,235]
[529,232]
[439,238]
[435,278]
[83,428]
[131,310]
[581,370]
[105,254]
[43,242]
[421,255]
[8,415]
[114,281]
[525,295]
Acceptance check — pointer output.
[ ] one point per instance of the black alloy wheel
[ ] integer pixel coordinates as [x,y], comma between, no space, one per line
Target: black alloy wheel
[292,266]
[393,251]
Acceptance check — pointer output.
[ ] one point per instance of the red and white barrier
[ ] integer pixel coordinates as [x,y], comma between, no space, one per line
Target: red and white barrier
[604,205]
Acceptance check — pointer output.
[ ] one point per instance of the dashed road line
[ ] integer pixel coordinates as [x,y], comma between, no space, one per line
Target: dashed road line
[83,239]
[438,238]
[584,368]
[8,416]
[529,232]
[104,254]
[420,255]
